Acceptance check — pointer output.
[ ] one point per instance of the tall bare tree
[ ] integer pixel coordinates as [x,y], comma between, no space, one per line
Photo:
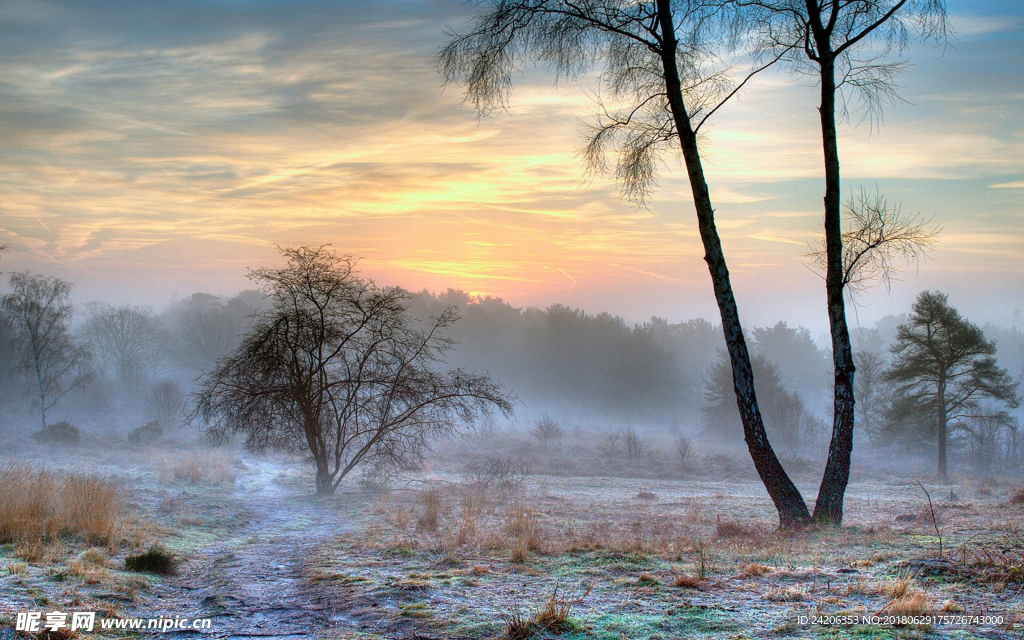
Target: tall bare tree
[40,310]
[128,339]
[658,59]
[846,47]
[337,369]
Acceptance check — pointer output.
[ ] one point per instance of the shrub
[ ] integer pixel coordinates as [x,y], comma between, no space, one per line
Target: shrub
[155,560]
[546,429]
[58,433]
[145,435]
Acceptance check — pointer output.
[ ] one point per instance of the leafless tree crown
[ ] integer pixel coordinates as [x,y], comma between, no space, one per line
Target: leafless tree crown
[337,369]
[624,40]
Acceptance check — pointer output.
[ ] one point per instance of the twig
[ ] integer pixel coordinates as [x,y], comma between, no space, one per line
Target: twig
[931,509]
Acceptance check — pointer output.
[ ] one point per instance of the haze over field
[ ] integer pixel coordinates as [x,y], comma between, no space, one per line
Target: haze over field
[150,150]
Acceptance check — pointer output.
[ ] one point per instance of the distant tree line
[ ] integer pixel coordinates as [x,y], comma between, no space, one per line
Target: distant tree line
[126,365]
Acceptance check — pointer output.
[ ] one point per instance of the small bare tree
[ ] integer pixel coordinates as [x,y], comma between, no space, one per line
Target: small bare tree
[337,369]
[684,451]
[637,447]
[608,445]
[547,429]
[40,310]
[878,241]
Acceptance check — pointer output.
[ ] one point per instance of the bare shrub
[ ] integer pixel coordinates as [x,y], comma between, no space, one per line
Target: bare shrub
[608,445]
[553,618]
[684,452]
[506,474]
[547,429]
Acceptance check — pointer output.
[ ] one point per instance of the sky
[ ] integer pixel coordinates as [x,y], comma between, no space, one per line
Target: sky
[152,149]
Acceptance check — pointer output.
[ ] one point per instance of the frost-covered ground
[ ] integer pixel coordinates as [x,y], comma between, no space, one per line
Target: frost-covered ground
[432,556]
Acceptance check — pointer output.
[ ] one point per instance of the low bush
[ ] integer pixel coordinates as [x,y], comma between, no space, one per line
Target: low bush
[58,433]
[155,560]
[146,435]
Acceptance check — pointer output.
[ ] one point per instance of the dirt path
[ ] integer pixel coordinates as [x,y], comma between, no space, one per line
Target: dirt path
[252,582]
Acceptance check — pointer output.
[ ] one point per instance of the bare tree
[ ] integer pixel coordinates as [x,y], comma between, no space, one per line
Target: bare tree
[546,429]
[129,340]
[40,310]
[165,402]
[637,447]
[870,391]
[845,46]
[658,60]
[337,369]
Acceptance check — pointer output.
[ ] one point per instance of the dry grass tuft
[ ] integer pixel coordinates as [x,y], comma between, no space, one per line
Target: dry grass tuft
[17,569]
[95,556]
[37,506]
[754,569]
[431,517]
[213,466]
[689,582]
[898,587]
[733,530]
[913,603]
[553,618]
[786,594]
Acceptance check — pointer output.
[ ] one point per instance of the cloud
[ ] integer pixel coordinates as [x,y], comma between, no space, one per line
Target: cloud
[188,139]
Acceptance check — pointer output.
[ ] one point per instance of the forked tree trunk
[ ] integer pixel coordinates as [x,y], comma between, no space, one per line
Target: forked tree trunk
[788,501]
[828,508]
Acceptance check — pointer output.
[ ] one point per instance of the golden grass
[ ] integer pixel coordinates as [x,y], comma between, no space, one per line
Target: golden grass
[786,594]
[689,582]
[431,516]
[215,466]
[754,569]
[38,506]
[914,603]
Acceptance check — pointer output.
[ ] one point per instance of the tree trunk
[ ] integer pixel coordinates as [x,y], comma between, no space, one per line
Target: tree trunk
[940,427]
[788,501]
[828,509]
